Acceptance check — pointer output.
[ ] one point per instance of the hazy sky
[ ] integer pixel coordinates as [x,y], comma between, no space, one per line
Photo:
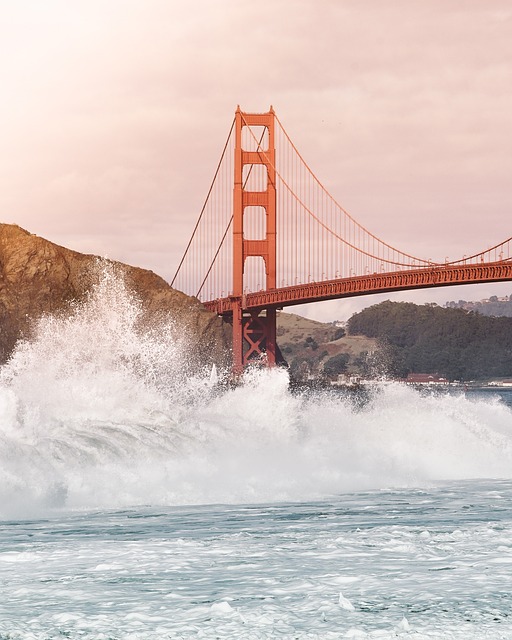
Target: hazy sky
[114,113]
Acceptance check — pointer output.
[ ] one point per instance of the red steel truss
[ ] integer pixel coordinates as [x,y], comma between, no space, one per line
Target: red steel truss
[436,276]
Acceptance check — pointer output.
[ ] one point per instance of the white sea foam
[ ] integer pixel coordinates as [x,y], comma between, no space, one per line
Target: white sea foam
[356,566]
[99,411]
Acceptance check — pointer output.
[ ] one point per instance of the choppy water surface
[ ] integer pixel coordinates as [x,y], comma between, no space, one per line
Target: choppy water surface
[137,501]
[425,564]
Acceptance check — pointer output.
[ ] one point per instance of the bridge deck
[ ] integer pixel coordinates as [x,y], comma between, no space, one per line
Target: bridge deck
[436,276]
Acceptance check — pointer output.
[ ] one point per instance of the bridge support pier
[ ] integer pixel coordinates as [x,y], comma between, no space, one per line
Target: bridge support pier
[254,337]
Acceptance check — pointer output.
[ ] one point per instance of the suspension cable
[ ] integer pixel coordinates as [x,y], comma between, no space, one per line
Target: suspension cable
[230,220]
[205,203]
[337,203]
[322,224]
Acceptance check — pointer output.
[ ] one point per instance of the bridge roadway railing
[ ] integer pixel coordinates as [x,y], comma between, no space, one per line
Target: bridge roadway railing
[434,276]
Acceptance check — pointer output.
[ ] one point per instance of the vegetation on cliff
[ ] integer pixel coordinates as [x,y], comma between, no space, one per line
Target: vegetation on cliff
[454,343]
[320,349]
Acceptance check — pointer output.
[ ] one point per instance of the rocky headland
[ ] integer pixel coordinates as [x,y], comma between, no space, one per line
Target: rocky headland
[38,277]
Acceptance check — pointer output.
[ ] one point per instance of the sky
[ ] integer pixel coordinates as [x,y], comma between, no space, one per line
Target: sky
[113,115]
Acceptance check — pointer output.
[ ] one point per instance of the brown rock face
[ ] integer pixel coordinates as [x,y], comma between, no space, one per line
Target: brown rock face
[38,277]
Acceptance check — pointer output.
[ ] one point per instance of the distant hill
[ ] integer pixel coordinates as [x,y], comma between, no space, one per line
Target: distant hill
[451,342]
[493,306]
[308,346]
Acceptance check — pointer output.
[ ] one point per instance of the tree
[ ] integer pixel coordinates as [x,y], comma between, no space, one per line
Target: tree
[311,342]
[336,365]
[338,333]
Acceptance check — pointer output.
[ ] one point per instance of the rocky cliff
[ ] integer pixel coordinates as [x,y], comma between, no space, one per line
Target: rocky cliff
[38,277]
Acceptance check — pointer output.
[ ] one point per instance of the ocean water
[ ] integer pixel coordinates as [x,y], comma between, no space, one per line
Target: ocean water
[138,501]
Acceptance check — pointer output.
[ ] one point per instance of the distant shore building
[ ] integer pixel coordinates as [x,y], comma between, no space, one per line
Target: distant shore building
[345,380]
[500,383]
[425,378]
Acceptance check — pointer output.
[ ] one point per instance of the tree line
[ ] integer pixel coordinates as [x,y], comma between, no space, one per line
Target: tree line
[453,343]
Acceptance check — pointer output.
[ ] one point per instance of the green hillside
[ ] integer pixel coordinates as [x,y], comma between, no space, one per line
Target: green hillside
[455,343]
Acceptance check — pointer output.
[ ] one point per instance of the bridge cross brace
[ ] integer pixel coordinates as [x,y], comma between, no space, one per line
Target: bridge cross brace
[254,337]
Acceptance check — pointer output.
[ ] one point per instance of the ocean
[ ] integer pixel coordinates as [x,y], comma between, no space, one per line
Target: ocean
[140,502]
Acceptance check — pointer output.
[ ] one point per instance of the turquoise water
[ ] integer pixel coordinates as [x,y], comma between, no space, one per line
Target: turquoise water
[138,501]
[420,563]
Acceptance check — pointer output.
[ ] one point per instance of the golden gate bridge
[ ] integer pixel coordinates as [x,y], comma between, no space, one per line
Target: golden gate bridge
[270,235]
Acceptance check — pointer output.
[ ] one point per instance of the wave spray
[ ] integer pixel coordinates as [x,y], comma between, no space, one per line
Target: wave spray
[99,411]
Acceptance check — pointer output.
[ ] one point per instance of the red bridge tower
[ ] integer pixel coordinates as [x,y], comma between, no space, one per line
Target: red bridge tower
[254,330]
